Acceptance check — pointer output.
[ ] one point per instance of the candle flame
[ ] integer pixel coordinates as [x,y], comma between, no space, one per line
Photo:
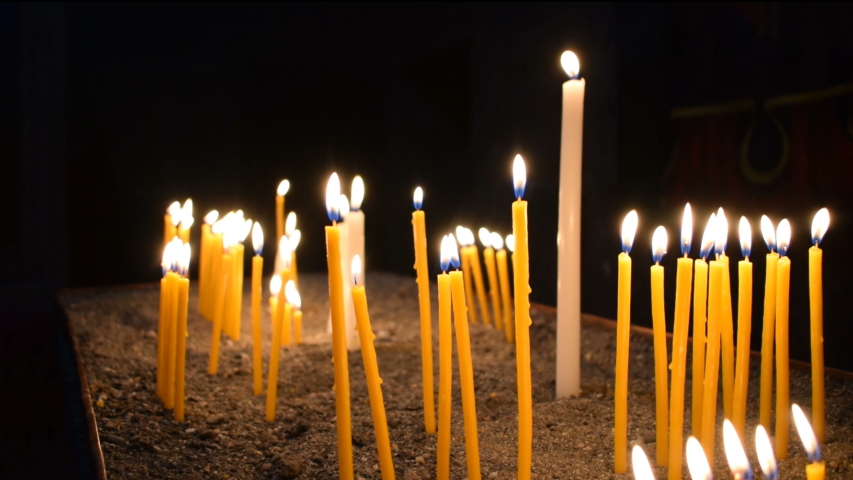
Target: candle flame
[686,230]
[187,213]
[738,463]
[343,207]
[355,269]
[783,237]
[745,237]
[290,223]
[464,236]
[659,241]
[819,225]
[184,259]
[275,284]
[444,254]
[708,237]
[291,294]
[485,237]
[764,451]
[722,236]
[452,251]
[211,217]
[174,212]
[510,242]
[357,193]
[283,188]
[418,198]
[294,239]
[642,468]
[697,463]
[768,232]
[570,64]
[806,434]
[333,196]
[245,229]
[519,176]
[284,250]
[497,240]
[166,262]
[258,239]
[629,229]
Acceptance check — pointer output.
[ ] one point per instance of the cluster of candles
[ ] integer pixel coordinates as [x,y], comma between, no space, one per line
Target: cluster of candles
[172,326]
[718,341]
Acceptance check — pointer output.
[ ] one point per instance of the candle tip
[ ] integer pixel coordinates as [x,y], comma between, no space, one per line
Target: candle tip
[745,237]
[768,232]
[333,197]
[355,269]
[291,294]
[357,193]
[659,241]
[807,435]
[290,223]
[819,225]
[519,176]
[258,239]
[497,240]
[764,451]
[570,64]
[686,230]
[283,188]
[629,229]
[783,237]
[418,198]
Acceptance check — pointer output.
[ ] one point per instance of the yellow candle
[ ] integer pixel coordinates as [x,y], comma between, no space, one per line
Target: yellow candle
[659,323]
[371,371]
[445,366]
[816,470]
[477,271]
[215,269]
[275,354]
[297,326]
[287,321]
[466,374]
[171,340]
[462,237]
[819,226]
[727,339]
[783,278]
[503,275]
[744,327]
[205,263]
[219,312]
[522,322]
[623,339]
[419,234]
[281,191]
[168,231]
[339,336]
[492,272]
[165,294]
[275,287]
[237,292]
[181,330]
[257,273]
[700,297]
[681,325]
[769,329]
[712,359]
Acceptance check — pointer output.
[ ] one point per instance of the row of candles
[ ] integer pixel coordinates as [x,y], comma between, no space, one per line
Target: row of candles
[700,469]
[719,339]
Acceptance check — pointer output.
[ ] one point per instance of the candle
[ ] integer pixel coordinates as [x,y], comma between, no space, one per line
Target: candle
[339,336]
[744,327]
[419,234]
[769,329]
[700,296]
[205,263]
[816,470]
[712,357]
[172,325]
[503,277]
[764,452]
[477,270]
[281,312]
[166,265]
[243,227]
[296,302]
[783,278]
[819,226]
[284,254]
[726,322]
[623,340]
[344,210]
[371,371]
[659,241]
[642,467]
[294,239]
[186,221]
[171,221]
[280,192]
[445,360]
[275,287]
[216,236]
[521,271]
[223,289]
[681,325]
[465,242]
[181,333]
[735,454]
[355,224]
[569,232]
[257,273]
[509,314]
[492,272]
[697,463]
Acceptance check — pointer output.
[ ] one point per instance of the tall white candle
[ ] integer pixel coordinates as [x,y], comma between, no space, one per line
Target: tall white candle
[569,233]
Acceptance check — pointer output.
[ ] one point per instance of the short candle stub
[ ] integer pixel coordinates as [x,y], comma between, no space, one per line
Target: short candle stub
[418,198]
[807,435]
[686,230]
[571,64]
[769,233]
[708,237]
[738,462]
[819,226]
[519,176]
[764,451]
[333,197]
[783,237]
[629,229]
[745,237]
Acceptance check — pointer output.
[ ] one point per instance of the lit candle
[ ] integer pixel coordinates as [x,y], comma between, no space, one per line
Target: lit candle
[659,241]
[510,331]
[222,290]
[735,454]
[445,359]
[466,371]
[205,263]
[165,285]
[744,327]
[296,302]
[171,221]
[712,357]
[181,332]
[726,321]
[819,226]
[243,226]
[371,371]
[275,287]
[216,235]
[281,312]
[769,329]
[467,266]
[783,284]
[623,340]
[186,221]
[339,335]
[172,324]
[503,277]
[642,467]
[816,470]
[680,328]
[700,297]
[284,253]
[697,463]
[294,238]
[477,270]
[257,273]
[568,374]
[280,192]
[764,452]
[346,257]
[419,233]
[521,272]
[355,224]
[492,272]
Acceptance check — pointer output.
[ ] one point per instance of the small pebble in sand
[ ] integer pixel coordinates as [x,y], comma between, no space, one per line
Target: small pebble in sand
[420,460]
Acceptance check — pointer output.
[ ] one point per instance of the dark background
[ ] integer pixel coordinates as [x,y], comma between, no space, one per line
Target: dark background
[108,112]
